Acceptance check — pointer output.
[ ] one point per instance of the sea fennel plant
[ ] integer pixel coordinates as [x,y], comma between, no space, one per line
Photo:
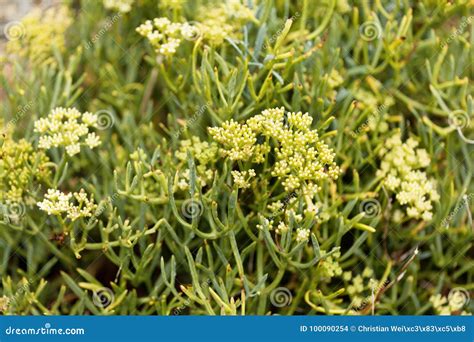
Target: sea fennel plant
[238,158]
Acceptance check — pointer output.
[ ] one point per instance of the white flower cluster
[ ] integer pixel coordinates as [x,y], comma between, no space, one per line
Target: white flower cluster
[302,235]
[242,178]
[302,160]
[122,6]
[400,171]
[57,203]
[166,36]
[66,127]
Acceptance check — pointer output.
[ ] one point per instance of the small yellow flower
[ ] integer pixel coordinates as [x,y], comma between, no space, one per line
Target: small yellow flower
[242,178]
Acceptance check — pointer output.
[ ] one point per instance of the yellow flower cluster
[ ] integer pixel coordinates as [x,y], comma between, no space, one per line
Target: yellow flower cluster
[122,6]
[166,36]
[359,284]
[400,172]
[329,267]
[57,203]
[302,235]
[62,127]
[301,159]
[224,20]
[242,178]
[39,33]
[204,154]
[20,166]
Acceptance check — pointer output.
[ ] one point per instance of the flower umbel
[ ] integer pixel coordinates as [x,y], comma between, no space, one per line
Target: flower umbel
[301,159]
[400,172]
[73,205]
[67,127]
[20,168]
[43,33]
[165,36]
[242,179]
